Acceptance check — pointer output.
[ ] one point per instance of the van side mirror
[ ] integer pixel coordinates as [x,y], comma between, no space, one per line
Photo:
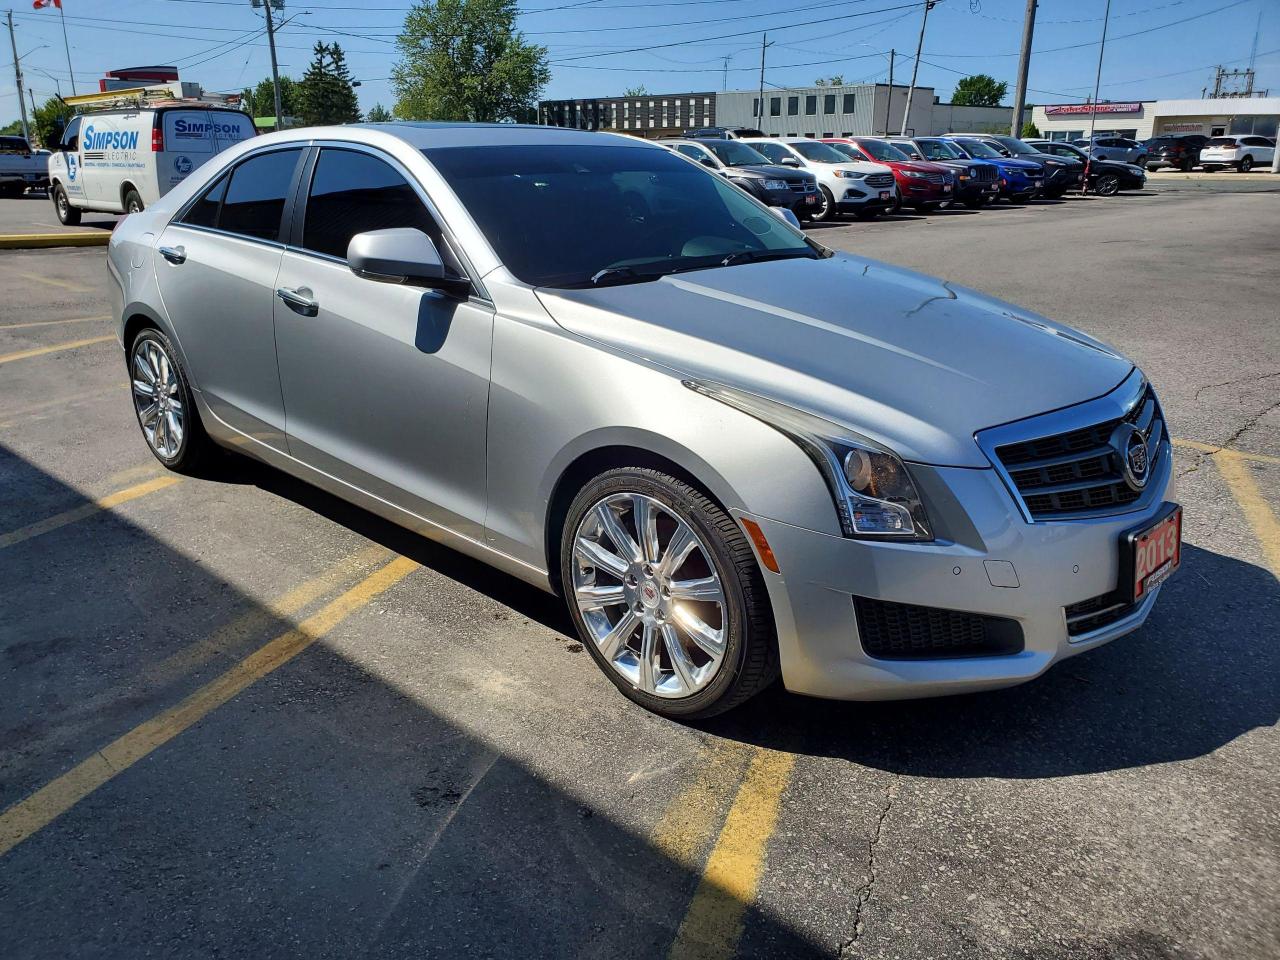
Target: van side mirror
[400,255]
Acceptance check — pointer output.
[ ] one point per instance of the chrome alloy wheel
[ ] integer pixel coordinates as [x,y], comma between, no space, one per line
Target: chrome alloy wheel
[157,399]
[649,595]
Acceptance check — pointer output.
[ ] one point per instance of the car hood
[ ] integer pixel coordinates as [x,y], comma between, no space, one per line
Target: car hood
[911,361]
[772,172]
[857,166]
[1026,166]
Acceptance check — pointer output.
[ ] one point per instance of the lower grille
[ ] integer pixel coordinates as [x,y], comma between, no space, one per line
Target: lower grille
[1096,613]
[905,631]
[1079,471]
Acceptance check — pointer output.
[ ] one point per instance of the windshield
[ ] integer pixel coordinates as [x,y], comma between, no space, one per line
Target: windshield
[574,215]
[735,153]
[880,150]
[940,150]
[849,150]
[819,152]
[977,148]
[1016,146]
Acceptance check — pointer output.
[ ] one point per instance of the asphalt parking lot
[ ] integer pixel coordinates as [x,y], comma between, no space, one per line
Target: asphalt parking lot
[241,718]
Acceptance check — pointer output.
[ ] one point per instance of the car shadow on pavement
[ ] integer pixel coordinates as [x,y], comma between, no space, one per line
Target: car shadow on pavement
[394,791]
[1203,670]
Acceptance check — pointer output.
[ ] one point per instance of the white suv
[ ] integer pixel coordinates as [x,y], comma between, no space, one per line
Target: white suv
[1243,153]
[847,186]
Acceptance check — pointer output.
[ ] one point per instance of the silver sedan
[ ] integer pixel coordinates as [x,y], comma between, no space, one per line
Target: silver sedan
[607,372]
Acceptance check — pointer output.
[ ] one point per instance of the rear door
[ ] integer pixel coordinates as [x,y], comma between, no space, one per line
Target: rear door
[188,143]
[386,386]
[229,128]
[217,273]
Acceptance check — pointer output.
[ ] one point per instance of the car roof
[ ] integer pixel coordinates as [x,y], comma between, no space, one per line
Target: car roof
[432,133]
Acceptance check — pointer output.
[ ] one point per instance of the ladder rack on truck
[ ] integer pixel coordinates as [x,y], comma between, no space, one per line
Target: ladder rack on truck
[179,94]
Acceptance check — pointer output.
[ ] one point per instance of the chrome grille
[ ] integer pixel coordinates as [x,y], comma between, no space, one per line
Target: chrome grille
[935,178]
[1077,472]
[802,186]
[880,180]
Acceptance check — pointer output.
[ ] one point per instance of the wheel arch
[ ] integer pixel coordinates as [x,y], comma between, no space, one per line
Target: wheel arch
[125,187]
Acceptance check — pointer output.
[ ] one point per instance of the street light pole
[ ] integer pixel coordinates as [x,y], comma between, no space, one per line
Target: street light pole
[17,76]
[1024,66]
[271,42]
[1097,83]
[764,45]
[67,46]
[906,116]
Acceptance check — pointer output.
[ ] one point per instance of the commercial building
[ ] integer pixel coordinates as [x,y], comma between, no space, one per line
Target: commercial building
[1140,120]
[853,110]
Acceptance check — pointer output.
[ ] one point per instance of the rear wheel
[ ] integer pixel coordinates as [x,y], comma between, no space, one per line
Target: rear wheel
[165,409]
[666,594]
[68,215]
[1246,164]
[132,201]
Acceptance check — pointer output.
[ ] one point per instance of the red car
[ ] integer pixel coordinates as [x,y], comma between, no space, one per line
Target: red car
[922,185]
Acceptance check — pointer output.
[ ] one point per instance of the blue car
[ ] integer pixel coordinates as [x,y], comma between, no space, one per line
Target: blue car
[1020,180]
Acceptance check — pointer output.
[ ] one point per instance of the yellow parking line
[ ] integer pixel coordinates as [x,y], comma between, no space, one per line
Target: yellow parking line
[713,922]
[65,285]
[57,797]
[1213,448]
[49,323]
[689,821]
[56,348]
[1245,491]
[59,520]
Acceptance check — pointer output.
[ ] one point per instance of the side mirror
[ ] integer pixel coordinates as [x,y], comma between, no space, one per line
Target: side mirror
[398,255]
[708,162]
[790,162]
[787,214]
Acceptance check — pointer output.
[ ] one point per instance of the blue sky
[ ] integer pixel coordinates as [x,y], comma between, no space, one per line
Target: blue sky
[593,43]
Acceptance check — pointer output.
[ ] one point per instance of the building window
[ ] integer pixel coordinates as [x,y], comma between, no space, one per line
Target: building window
[811,105]
[848,103]
[755,106]
[775,106]
[829,103]
[827,136]
[847,133]
[793,106]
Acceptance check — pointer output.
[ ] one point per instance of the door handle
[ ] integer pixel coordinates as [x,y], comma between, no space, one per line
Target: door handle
[298,302]
[174,254]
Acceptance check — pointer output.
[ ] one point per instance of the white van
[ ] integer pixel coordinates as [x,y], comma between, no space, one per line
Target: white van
[122,160]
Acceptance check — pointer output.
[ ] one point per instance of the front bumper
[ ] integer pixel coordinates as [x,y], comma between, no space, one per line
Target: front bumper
[919,192]
[1054,564]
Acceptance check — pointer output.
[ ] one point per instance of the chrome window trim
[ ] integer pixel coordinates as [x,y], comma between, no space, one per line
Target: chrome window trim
[1111,406]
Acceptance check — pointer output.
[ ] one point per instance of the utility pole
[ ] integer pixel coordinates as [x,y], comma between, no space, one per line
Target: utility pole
[271,42]
[1097,83]
[1024,65]
[724,80]
[66,46]
[764,45]
[906,116]
[17,77]
[888,102]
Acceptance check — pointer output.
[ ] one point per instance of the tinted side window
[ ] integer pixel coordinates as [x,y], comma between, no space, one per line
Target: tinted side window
[353,193]
[204,212]
[255,198]
[71,136]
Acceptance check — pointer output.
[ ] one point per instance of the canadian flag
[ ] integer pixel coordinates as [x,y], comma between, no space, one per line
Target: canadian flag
[38,4]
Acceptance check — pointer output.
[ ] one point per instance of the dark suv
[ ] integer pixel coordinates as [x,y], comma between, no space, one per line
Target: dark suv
[1179,152]
[743,166]
[1061,173]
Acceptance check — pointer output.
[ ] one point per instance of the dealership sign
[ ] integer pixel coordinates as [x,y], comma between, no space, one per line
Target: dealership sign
[1062,109]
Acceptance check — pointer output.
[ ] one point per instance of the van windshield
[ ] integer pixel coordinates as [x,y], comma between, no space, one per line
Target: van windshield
[578,216]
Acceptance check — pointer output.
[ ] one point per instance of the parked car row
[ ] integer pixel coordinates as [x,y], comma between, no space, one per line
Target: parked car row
[867,176]
[1184,151]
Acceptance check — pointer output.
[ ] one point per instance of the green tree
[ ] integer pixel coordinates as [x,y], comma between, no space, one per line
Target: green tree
[1030,130]
[639,91]
[379,114]
[259,101]
[836,81]
[980,90]
[46,120]
[12,129]
[327,94]
[465,60]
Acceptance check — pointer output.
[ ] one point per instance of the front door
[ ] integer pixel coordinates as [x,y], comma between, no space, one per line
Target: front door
[216,268]
[386,387]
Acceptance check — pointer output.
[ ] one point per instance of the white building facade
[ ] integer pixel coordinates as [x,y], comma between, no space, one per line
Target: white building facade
[1141,120]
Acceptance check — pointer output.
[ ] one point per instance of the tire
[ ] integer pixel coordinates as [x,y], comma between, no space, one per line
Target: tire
[1246,164]
[68,215]
[703,686]
[1141,162]
[133,201]
[827,213]
[152,359]
[1107,185]
[1188,166]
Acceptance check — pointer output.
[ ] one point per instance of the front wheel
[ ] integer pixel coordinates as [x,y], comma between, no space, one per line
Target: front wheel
[827,210]
[666,594]
[68,215]
[1107,185]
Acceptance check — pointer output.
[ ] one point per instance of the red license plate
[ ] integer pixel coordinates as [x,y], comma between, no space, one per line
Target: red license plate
[885,194]
[946,188]
[812,200]
[1156,552]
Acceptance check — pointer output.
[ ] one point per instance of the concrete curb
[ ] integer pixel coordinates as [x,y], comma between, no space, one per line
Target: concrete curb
[31,241]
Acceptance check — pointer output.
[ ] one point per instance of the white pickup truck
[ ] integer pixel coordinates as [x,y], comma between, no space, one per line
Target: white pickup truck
[21,167]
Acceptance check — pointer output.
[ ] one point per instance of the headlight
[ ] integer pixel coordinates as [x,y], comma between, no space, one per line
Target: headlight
[775,185]
[915,174]
[850,175]
[873,494]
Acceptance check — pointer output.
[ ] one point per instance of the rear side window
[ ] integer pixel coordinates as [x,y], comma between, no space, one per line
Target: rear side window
[188,131]
[204,212]
[354,192]
[255,197]
[230,126]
